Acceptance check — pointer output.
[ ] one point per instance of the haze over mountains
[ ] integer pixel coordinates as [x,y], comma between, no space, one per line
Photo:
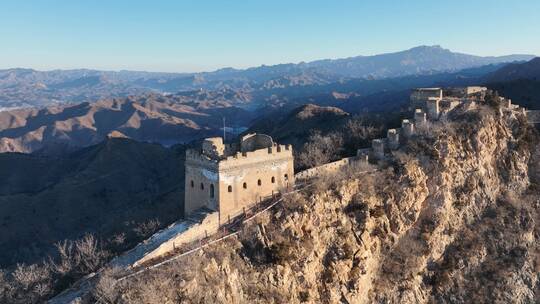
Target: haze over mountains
[27,87]
[77,108]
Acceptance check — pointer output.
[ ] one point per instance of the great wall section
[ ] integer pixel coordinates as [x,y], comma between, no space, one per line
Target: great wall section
[218,170]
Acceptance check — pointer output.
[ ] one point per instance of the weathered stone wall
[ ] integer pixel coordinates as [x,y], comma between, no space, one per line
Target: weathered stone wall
[208,225]
[247,178]
[423,94]
[201,178]
[332,167]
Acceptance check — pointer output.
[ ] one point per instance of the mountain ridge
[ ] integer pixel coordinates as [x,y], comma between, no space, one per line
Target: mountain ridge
[22,87]
[518,81]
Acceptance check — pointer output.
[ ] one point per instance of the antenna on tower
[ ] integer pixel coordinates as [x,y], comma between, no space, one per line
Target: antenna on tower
[224,129]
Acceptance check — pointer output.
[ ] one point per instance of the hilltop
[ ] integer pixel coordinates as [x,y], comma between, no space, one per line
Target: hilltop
[298,123]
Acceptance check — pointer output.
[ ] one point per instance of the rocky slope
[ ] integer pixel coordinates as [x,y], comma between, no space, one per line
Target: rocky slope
[451,218]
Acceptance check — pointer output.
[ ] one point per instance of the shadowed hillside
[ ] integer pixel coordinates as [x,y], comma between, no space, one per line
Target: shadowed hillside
[520,82]
[298,123]
[106,189]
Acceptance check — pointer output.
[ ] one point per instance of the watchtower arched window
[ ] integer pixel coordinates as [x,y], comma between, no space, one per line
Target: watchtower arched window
[229,188]
[286,176]
[259,182]
[202,186]
[273,179]
[192,184]
[211,190]
[245,186]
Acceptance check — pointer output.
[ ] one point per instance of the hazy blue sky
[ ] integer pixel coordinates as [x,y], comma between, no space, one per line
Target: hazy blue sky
[205,35]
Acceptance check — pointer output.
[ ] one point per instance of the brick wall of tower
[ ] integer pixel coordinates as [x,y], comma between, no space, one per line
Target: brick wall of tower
[273,167]
[201,178]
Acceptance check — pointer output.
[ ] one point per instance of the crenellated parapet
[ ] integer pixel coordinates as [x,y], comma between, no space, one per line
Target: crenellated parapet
[269,154]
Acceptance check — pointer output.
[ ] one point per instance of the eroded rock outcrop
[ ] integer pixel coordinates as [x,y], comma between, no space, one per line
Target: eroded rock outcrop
[452,217]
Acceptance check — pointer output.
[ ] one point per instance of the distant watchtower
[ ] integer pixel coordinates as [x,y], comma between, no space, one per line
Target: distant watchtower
[419,96]
[232,177]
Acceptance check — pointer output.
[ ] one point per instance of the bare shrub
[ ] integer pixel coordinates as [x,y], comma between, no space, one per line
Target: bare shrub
[147,228]
[320,183]
[294,202]
[320,149]
[119,239]
[89,253]
[36,282]
[29,284]
[28,276]
[357,133]
[67,257]
[81,256]
[106,289]
[153,288]
[282,252]
[6,288]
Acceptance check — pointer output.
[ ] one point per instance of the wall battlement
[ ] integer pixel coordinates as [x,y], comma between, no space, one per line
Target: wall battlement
[432,105]
[238,158]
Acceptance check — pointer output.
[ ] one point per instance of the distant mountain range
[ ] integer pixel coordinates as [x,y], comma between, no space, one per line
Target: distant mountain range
[191,115]
[27,87]
[515,71]
[133,105]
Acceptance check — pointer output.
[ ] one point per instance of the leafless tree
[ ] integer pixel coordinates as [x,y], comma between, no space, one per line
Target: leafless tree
[118,239]
[147,228]
[29,284]
[67,257]
[320,149]
[89,253]
[6,288]
[357,131]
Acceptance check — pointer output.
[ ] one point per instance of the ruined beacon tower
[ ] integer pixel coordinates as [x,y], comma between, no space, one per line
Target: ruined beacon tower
[229,178]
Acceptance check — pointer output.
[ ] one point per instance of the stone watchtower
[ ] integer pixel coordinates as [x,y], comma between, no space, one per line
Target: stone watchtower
[229,178]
